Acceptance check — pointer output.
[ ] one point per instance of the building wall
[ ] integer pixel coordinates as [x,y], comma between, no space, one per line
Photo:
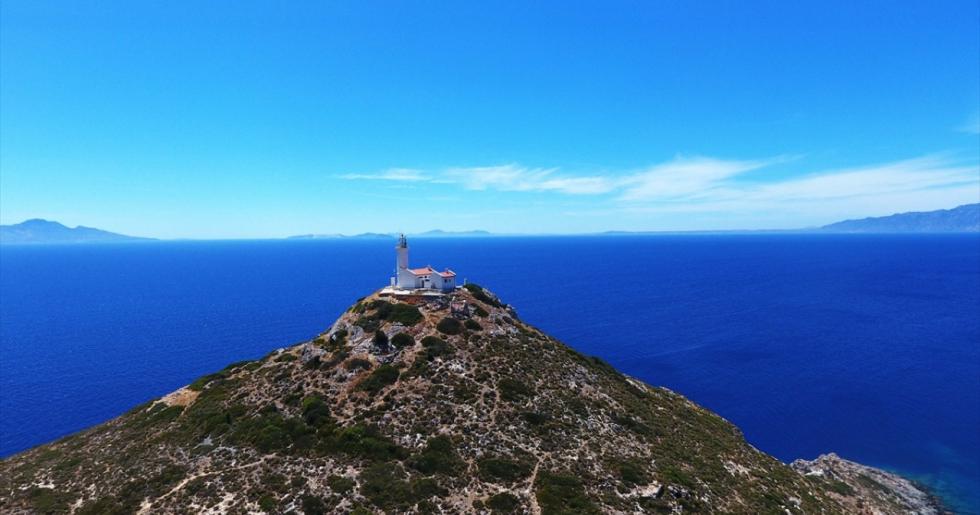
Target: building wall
[449,283]
[436,281]
[406,279]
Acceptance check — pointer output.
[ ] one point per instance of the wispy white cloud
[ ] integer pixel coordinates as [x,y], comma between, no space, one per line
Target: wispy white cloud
[971,126]
[391,174]
[924,183]
[685,177]
[902,176]
[707,184]
[513,177]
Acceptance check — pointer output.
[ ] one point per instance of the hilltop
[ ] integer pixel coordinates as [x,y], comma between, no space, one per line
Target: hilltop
[446,405]
[965,218]
[44,231]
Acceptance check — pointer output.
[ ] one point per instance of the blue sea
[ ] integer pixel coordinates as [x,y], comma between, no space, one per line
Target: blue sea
[867,346]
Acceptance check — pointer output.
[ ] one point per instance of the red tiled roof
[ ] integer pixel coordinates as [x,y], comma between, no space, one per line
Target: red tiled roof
[428,270]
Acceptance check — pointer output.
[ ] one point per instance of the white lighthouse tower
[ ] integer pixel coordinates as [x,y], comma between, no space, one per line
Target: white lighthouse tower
[401,261]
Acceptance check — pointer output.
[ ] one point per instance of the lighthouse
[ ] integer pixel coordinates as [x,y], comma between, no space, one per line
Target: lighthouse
[425,278]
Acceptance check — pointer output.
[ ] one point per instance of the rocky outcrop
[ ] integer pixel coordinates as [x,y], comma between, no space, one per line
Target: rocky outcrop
[448,405]
[864,489]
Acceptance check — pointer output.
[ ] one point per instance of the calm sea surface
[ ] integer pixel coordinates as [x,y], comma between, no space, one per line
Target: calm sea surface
[868,346]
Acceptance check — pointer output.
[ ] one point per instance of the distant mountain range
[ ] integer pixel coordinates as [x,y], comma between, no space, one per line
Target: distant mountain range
[45,231]
[964,218]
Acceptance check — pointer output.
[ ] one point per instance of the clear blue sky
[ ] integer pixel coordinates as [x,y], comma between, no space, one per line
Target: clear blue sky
[256,119]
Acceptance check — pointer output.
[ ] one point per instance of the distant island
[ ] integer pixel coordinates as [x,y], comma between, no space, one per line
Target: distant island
[964,218]
[45,231]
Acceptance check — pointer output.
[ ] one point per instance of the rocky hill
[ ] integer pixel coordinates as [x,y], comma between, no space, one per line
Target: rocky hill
[46,231]
[965,218]
[450,405]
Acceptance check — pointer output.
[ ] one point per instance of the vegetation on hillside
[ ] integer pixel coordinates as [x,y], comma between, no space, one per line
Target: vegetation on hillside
[409,408]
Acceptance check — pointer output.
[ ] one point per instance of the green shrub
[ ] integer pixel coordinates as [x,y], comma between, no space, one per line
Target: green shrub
[273,482]
[432,347]
[503,503]
[132,493]
[502,470]
[366,442]
[203,381]
[154,416]
[670,474]
[513,390]
[841,488]
[868,482]
[358,364]
[425,487]
[562,493]
[271,437]
[49,500]
[401,313]
[267,503]
[340,484]
[438,457]
[405,314]
[380,339]
[380,378]
[632,473]
[435,346]
[577,406]
[465,392]
[602,365]
[315,412]
[358,306]
[286,357]
[481,295]
[402,340]
[535,419]
[632,424]
[271,432]
[313,505]
[449,326]
[368,323]
[385,486]
[480,312]
[382,308]
[335,358]
[472,325]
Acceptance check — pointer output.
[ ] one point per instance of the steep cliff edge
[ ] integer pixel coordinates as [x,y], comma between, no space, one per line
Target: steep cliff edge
[444,405]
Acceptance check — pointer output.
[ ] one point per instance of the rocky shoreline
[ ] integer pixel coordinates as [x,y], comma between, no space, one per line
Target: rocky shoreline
[855,483]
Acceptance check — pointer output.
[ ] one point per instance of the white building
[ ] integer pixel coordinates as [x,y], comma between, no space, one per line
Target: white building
[419,278]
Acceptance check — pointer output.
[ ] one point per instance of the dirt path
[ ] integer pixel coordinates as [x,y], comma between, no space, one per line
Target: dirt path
[147,507]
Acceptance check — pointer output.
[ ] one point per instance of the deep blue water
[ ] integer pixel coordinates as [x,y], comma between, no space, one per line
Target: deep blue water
[868,346]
